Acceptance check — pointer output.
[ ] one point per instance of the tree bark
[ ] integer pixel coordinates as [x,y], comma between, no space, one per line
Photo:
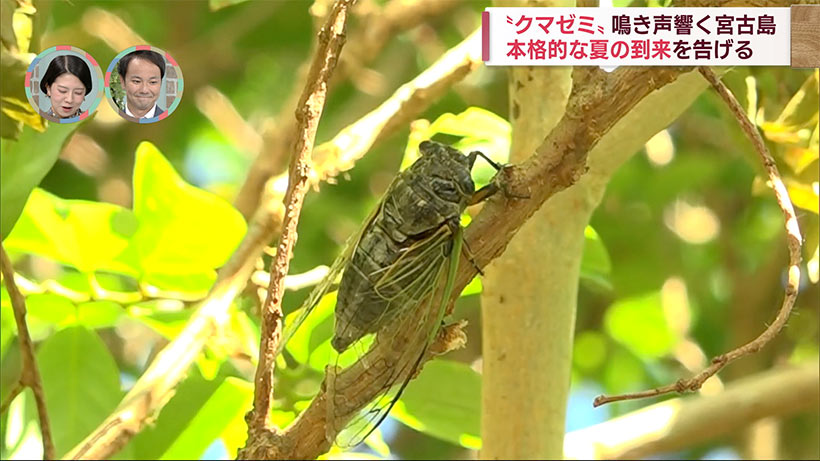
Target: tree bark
[525,372]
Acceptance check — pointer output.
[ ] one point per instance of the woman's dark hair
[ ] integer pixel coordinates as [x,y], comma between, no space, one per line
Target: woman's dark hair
[67,64]
[148,55]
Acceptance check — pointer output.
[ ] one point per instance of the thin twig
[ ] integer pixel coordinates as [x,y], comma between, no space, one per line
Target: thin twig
[30,375]
[308,113]
[293,282]
[794,242]
[675,424]
[378,27]
[15,391]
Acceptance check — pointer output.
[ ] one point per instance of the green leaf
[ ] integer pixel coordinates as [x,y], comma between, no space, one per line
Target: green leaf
[589,351]
[81,384]
[8,328]
[640,325]
[16,113]
[472,288]
[229,402]
[51,308]
[189,399]
[23,24]
[801,110]
[209,363]
[235,433]
[15,110]
[24,163]
[623,372]
[183,230]
[219,4]
[474,122]
[166,317]
[812,267]
[444,401]
[185,287]
[799,158]
[315,330]
[802,195]
[9,127]
[595,264]
[87,235]
[99,314]
[21,430]
[6,25]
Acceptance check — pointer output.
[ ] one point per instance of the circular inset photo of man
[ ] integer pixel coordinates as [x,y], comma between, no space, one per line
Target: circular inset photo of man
[143,84]
[64,84]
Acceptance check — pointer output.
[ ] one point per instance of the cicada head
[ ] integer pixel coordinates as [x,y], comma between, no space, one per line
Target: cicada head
[449,171]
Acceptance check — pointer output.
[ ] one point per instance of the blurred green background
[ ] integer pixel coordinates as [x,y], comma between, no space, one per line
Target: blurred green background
[685,256]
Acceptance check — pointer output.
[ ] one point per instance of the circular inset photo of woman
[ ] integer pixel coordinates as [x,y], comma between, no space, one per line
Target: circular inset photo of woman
[143,84]
[64,83]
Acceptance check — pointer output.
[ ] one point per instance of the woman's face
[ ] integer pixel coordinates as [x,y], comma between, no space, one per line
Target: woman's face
[66,93]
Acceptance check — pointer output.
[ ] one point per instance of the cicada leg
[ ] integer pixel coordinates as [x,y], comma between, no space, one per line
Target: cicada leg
[484,193]
[474,154]
[465,248]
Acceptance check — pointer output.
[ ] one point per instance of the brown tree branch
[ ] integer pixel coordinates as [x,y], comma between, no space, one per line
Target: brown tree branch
[30,374]
[378,26]
[685,421]
[308,113]
[794,242]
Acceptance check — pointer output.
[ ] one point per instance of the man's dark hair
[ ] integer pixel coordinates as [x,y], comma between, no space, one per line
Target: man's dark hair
[148,55]
[67,64]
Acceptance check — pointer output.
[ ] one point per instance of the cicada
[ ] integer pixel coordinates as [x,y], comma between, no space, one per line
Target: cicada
[394,279]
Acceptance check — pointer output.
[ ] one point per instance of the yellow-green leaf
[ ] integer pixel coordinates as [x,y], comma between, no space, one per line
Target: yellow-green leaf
[640,325]
[801,110]
[87,235]
[444,401]
[183,229]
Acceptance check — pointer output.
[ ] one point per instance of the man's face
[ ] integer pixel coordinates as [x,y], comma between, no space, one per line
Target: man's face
[142,85]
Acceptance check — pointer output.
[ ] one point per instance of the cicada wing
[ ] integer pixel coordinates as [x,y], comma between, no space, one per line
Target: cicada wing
[327,285]
[362,394]
[334,275]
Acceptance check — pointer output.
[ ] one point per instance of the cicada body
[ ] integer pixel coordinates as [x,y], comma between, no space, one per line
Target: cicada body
[399,245]
[394,280]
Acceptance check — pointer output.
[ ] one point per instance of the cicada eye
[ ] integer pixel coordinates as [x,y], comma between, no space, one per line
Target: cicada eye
[428,147]
[446,189]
